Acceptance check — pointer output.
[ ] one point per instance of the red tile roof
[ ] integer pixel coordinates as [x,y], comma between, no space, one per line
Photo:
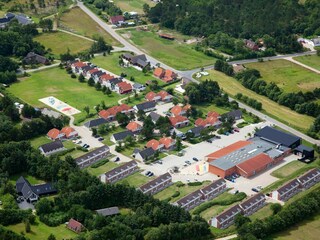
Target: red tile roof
[158,72]
[228,149]
[163,94]
[213,114]
[67,131]
[133,126]
[255,163]
[176,110]
[177,119]
[53,133]
[153,144]
[150,96]
[93,70]
[75,225]
[114,110]
[201,122]
[106,77]
[124,86]
[167,142]
[116,19]
[79,64]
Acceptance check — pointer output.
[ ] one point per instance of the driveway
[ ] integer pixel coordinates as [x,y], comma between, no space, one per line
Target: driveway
[165,107]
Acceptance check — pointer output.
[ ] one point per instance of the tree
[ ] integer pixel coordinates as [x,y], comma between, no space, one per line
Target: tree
[129,140]
[81,78]
[147,128]
[178,144]
[7,64]
[275,207]
[46,24]
[94,131]
[132,79]
[100,46]
[27,226]
[91,82]
[87,110]
[67,56]
[146,9]
[108,91]
[241,220]
[141,115]
[51,237]
[175,101]
[122,119]
[97,86]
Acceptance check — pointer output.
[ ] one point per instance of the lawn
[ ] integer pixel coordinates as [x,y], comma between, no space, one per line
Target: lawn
[176,54]
[262,213]
[102,169]
[111,63]
[40,231]
[288,169]
[31,179]
[184,190]
[273,109]
[55,82]
[38,141]
[308,229]
[287,75]
[60,42]
[310,60]
[135,180]
[133,5]
[84,25]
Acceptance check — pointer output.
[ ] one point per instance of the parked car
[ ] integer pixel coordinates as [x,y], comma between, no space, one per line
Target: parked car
[236,130]
[195,159]
[255,189]
[209,140]
[100,139]
[147,173]
[117,159]
[151,174]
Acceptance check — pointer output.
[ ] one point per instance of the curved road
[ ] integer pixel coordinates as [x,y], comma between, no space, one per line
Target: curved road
[130,47]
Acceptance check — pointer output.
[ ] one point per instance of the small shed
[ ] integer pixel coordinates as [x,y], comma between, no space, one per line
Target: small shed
[108,211]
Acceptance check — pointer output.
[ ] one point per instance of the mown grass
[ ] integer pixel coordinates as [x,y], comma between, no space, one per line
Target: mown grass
[288,169]
[79,22]
[56,82]
[287,75]
[262,213]
[40,231]
[133,5]
[310,60]
[31,179]
[102,169]
[60,42]
[283,114]
[176,54]
[135,180]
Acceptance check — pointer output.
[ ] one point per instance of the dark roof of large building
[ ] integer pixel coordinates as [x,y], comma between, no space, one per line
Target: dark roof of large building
[148,152]
[108,211]
[155,182]
[302,148]
[146,105]
[121,168]
[115,81]
[89,155]
[309,175]
[95,122]
[196,130]
[231,212]
[252,200]
[43,189]
[276,136]
[35,58]
[52,146]
[122,135]
[213,185]
[27,190]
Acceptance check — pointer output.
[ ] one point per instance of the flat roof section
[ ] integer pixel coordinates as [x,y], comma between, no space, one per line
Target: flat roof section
[228,149]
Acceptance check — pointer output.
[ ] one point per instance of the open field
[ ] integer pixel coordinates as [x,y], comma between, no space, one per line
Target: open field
[184,190]
[38,141]
[287,75]
[59,42]
[133,5]
[135,180]
[306,230]
[288,169]
[56,82]
[281,113]
[311,60]
[40,231]
[102,169]
[176,54]
[84,25]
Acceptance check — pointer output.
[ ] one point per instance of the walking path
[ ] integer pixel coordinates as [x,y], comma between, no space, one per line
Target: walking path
[76,35]
[302,65]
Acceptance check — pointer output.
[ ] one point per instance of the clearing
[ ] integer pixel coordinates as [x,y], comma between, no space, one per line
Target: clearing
[84,25]
[287,75]
[133,5]
[40,231]
[102,169]
[56,82]
[174,53]
[60,42]
[283,114]
[310,60]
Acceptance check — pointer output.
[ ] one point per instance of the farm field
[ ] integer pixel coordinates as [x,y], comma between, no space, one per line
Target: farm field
[40,231]
[281,113]
[135,180]
[84,25]
[56,82]
[176,54]
[287,75]
[133,5]
[311,60]
[60,42]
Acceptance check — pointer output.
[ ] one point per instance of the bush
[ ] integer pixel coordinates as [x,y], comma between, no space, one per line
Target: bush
[180,184]
[73,75]
[176,194]
[100,163]
[194,183]
[54,219]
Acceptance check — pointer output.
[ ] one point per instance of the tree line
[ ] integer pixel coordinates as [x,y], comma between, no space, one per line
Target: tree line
[250,101]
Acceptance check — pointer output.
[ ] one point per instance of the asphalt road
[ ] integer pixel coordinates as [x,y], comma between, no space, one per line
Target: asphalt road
[128,46]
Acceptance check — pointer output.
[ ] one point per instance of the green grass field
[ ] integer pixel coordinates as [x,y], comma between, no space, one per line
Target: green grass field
[135,180]
[176,54]
[262,213]
[111,63]
[40,231]
[288,169]
[84,25]
[102,169]
[30,178]
[311,60]
[133,5]
[60,42]
[56,82]
[287,75]
[271,108]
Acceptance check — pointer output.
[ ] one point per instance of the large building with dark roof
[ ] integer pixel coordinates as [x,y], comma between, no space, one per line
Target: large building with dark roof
[226,218]
[287,191]
[190,201]
[52,148]
[310,178]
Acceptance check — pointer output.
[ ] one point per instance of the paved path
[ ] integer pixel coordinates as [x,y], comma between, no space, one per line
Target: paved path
[228,237]
[76,35]
[43,67]
[303,65]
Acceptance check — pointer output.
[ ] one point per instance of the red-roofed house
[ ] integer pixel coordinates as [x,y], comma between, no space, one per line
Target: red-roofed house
[254,165]
[155,144]
[168,143]
[90,72]
[159,72]
[169,76]
[165,97]
[75,66]
[201,122]
[55,134]
[134,127]
[110,114]
[213,119]
[75,226]
[105,78]
[117,20]
[180,111]
[123,88]
[152,96]
[226,150]
[179,121]
[69,132]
